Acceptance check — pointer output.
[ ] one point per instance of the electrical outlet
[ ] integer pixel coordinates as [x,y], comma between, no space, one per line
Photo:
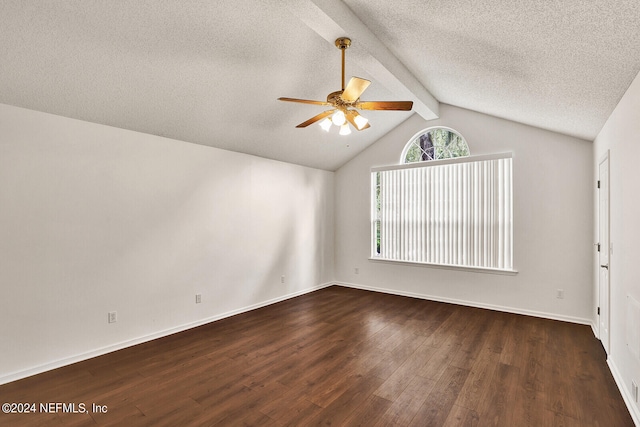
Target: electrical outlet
[560,293]
[356,270]
[282,279]
[113,316]
[198,298]
[634,390]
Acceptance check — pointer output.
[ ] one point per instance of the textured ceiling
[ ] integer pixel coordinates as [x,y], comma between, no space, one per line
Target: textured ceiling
[561,65]
[210,72]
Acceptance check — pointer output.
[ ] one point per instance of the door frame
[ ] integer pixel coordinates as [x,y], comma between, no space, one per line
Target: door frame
[604,289]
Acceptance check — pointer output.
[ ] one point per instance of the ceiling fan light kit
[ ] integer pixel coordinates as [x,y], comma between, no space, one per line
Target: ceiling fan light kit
[361,121]
[344,129]
[338,118]
[346,102]
[325,124]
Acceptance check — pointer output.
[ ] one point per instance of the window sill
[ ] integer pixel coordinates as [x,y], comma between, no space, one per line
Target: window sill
[448,266]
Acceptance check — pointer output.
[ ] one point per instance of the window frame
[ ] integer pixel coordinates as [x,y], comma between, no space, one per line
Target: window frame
[375,220]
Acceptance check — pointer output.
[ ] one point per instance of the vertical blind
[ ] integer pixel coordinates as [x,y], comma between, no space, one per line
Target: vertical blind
[453,212]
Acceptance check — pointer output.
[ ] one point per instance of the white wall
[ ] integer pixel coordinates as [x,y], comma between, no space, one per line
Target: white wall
[96,219]
[553,222]
[621,135]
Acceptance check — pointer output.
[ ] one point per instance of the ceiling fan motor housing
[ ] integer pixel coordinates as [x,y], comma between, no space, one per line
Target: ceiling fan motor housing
[335,99]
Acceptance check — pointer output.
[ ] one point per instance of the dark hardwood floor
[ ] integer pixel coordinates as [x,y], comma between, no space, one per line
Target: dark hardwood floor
[343,357]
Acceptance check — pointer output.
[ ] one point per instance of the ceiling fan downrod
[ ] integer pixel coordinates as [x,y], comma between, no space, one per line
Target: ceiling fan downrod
[343,43]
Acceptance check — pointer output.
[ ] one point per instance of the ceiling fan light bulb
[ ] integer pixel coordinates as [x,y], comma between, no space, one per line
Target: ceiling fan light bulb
[360,121]
[325,124]
[344,129]
[338,118]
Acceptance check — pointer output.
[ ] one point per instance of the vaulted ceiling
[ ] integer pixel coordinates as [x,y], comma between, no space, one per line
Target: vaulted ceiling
[210,72]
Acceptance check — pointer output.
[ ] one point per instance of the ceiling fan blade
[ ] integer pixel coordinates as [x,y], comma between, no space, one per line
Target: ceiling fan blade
[354,89]
[385,105]
[304,101]
[351,116]
[315,118]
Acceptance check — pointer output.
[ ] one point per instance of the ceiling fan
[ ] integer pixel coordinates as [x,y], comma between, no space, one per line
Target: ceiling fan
[345,102]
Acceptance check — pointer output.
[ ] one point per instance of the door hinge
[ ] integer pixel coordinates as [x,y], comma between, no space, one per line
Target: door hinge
[598,183]
[598,311]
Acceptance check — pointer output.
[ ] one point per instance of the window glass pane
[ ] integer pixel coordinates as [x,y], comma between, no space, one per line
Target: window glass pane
[413,154]
[435,144]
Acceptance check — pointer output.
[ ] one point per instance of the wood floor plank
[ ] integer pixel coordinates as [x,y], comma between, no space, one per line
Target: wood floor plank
[369,412]
[406,406]
[385,364]
[474,337]
[301,415]
[435,410]
[441,359]
[347,402]
[400,379]
[342,356]
[480,376]
[460,416]
[289,407]
[497,407]
[516,335]
[498,332]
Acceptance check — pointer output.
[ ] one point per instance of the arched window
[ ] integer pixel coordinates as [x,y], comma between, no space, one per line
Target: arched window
[434,144]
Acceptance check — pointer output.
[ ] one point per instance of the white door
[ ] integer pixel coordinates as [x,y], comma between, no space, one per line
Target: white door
[603,268]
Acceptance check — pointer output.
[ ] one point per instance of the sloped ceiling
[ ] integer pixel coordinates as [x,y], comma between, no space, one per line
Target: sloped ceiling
[210,72]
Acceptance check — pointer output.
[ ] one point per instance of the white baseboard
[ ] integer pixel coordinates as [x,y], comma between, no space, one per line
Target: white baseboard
[129,343]
[594,328]
[626,393]
[545,315]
